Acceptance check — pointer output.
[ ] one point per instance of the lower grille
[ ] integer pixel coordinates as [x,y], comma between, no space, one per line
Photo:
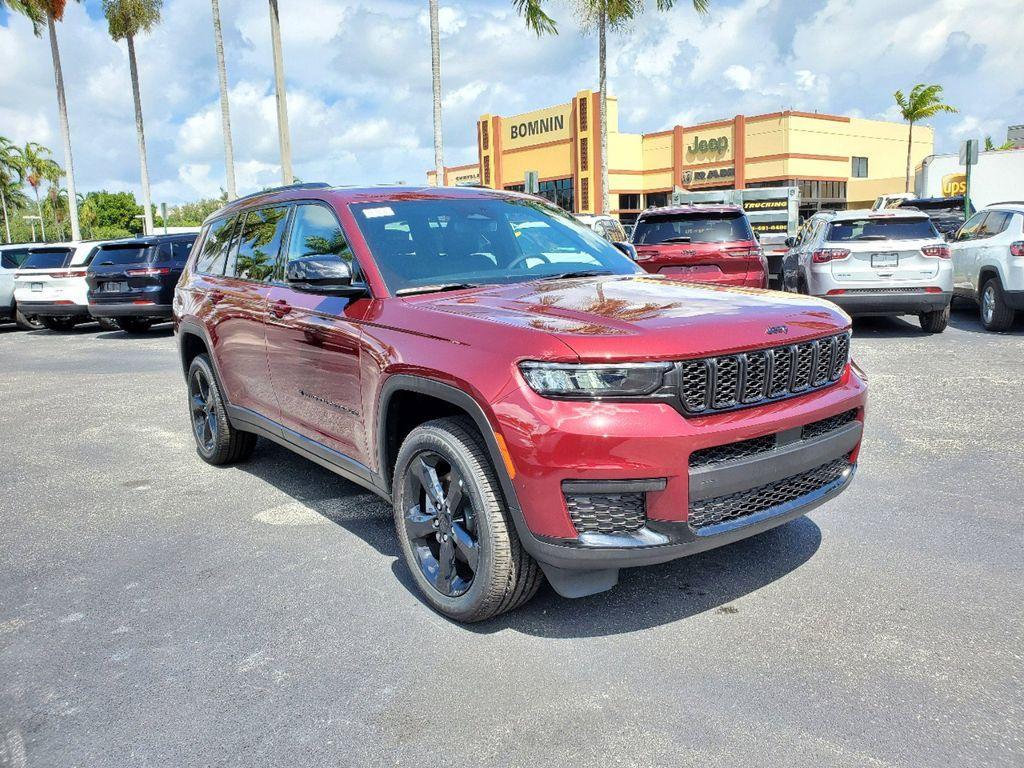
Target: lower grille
[736,506]
[817,428]
[719,454]
[607,513]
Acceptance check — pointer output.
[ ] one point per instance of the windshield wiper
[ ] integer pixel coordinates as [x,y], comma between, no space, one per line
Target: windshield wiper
[440,288]
[678,239]
[577,273]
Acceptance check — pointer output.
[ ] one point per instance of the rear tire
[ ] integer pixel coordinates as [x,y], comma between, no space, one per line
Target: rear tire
[217,442]
[934,322]
[488,570]
[26,322]
[58,323]
[996,315]
[134,324]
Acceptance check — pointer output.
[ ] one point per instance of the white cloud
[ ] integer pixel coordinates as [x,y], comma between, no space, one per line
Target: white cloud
[359,79]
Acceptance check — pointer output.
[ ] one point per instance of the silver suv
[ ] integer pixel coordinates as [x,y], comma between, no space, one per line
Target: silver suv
[988,263]
[886,262]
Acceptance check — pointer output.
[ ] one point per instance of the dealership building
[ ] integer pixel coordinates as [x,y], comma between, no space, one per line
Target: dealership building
[837,162]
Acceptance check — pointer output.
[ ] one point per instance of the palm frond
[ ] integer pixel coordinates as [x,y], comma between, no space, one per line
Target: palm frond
[535,16]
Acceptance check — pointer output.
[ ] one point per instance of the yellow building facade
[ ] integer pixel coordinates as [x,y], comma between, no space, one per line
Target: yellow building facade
[836,161]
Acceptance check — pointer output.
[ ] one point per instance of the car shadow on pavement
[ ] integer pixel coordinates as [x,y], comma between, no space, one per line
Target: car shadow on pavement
[645,597]
[965,317]
[157,332]
[886,327]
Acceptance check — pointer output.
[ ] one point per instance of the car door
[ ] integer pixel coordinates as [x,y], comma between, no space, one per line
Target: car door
[991,247]
[963,249]
[314,343]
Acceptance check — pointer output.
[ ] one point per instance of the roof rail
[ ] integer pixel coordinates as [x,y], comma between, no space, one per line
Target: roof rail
[271,190]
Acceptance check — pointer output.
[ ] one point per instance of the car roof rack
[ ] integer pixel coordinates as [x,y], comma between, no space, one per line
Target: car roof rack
[271,190]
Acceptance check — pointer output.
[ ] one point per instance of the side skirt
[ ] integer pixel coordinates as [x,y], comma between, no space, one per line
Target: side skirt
[337,462]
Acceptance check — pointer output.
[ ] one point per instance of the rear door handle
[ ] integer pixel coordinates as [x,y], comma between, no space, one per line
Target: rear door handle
[215,297]
[280,308]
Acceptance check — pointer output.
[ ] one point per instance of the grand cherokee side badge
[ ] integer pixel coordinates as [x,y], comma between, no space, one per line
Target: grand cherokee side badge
[771,330]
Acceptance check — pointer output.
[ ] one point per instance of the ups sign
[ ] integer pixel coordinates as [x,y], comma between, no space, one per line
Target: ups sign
[954,184]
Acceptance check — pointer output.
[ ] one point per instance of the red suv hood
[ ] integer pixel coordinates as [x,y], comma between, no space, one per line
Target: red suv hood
[646,317]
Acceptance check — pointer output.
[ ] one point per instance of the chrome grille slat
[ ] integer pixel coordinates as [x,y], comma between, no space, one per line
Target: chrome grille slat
[716,384]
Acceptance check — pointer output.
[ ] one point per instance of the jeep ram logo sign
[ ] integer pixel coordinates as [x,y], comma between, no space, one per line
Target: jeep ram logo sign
[717,146]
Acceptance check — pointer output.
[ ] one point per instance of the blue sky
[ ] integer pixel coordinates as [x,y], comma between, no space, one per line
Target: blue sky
[359,79]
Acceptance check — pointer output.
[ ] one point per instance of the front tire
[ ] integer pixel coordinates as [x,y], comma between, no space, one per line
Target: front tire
[453,526]
[934,322]
[217,442]
[58,323]
[134,324]
[996,314]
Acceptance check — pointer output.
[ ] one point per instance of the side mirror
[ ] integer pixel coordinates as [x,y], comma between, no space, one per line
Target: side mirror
[627,248]
[791,242]
[328,275]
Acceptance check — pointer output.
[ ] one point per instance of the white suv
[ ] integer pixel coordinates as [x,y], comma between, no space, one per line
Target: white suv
[886,262]
[50,284]
[11,258]
[988,263]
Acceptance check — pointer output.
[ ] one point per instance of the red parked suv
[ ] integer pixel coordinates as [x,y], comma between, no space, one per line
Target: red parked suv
[700,243]
[528,399]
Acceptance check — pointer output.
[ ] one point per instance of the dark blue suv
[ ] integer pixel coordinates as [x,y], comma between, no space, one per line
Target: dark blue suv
[132,281]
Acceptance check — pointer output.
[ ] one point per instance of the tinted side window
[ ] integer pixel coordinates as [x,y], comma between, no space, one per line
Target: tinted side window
[180,250]
[970,229]
[259,243]
[316,233]
[13,257]
[215,248]
[995,222]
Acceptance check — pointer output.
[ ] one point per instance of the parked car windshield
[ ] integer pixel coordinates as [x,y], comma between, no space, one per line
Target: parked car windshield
[692,227]
[47,259]
[881,229]
[480,241]
[109,255]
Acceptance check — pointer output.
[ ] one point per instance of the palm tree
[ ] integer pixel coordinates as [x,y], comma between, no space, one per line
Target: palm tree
[38,166]
[225,116]
[602,14]
[435,66]
[51,11]
[282,98]
[125,20]
[11,175]
[923,102]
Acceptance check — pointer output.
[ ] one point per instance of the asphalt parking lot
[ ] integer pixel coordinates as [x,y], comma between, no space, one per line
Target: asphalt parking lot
[158,611]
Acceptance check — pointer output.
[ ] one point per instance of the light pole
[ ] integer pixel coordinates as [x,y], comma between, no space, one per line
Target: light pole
[32,220]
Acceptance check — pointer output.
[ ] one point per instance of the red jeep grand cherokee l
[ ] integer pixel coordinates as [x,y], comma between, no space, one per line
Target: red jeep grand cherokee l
[528,399]
[700,243]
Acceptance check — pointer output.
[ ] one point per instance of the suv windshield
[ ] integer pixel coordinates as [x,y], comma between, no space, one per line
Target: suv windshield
[704,227]
[479,241]
[881,229]
[47,259]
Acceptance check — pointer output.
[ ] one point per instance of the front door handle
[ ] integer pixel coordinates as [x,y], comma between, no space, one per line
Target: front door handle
[280,308]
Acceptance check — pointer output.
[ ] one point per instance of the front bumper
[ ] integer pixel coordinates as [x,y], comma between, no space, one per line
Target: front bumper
[865,303]
[51,309]
[555,445]
[161,311]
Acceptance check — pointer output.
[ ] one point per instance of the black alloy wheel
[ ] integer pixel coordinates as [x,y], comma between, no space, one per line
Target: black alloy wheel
[204,418]
[442,526]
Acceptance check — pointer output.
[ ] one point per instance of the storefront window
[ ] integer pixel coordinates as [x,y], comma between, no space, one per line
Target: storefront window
[657,199]
[629,202]
[559,192]
[860,168]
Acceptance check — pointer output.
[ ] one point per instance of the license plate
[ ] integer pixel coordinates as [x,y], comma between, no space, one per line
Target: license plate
[114,287]
[885,260]
[37,286]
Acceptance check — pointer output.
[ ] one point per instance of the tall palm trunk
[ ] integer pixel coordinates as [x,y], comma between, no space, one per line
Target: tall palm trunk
[147,202]
[225,116]
[7,218]
[282,99]
[435,63]
[603,63]
[910,144]
[39,210]
[65,132]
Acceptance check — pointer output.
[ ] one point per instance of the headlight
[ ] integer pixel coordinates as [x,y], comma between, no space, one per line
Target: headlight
[594,380]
